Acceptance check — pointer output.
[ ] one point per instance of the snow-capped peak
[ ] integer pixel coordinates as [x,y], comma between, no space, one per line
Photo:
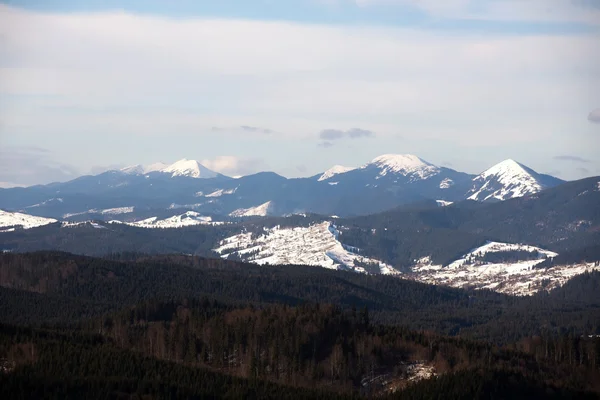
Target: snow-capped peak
[133,169]
[404,164]
[189,168]
[140,169]
[335,170]
[155,167]
[507,168]
[506,180]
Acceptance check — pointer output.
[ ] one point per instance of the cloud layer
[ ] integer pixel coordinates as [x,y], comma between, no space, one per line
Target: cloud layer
[234,166]
[354,133]
[594,116]
[112,80]
[572,158]
[28,165]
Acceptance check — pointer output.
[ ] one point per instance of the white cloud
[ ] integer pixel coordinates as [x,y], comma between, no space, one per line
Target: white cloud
[234,166]
[594,116]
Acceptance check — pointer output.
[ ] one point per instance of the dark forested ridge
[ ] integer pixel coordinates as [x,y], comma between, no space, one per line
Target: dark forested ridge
[202,348]
[87,286]
[116,238]
[191,349]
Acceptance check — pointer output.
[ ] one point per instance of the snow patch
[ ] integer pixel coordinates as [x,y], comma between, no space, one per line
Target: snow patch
[106,211]
[174,206]
[446,183]
[221,192]
[69,215]
[43,203]
[261,210]
[93,224]
[68,224]
[443,203]
[117,210]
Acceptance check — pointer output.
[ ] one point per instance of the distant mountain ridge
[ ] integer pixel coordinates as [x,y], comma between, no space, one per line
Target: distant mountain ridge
[385,182]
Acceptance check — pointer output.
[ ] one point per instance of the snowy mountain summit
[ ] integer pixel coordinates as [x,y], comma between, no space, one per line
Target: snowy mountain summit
[507,180]
[140,169]
[403,164]
[335,170]
[189,168]
[183,167]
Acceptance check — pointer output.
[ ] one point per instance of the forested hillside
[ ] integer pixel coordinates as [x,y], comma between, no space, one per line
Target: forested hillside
[34,284]
[563,219]
[191,349]
[187,327]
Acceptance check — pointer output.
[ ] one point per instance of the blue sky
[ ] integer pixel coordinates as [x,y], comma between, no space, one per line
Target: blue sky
[253,85]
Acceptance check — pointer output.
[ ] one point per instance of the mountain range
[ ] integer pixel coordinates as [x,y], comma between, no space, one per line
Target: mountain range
[521,245]
[385,182]
[509,229]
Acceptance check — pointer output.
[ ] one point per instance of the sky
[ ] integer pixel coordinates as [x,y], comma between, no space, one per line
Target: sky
[296,86]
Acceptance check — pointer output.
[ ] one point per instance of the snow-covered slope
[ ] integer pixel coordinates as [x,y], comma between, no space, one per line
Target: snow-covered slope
[183,167]
[502,267]
[403,164]
[258,211]
[140,169]
[177,221]
[507,180]
[26,221]
[316,245]
[189,168]
[516,277]
[335,170]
